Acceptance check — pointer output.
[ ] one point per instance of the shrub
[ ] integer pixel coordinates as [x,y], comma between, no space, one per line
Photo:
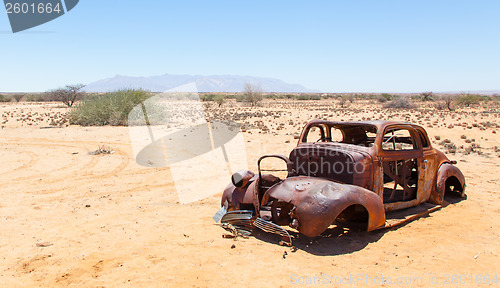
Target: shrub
[381,99]
[469,100]
[107,109]
[351,98]
[207,97]
[445,103]
[400,102]
[387,96]
[427,96]
[307,97]
[252,94]
[35,98]
[275,97]
[342,101]
[68,95]
[240,98]
[18,97]
[4,98]
[219,99]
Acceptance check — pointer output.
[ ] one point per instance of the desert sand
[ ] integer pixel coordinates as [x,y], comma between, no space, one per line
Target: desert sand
[70,218]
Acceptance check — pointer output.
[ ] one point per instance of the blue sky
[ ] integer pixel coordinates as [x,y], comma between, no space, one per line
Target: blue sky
[332,46]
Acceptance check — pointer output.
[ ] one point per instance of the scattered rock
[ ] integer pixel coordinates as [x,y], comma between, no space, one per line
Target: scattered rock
[43,244]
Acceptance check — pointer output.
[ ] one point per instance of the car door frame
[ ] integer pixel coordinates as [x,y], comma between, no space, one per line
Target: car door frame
[396,155]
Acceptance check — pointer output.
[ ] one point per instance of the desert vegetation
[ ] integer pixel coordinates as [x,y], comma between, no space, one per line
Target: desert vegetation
[253,94]
[17,97]
[4,98]
[108,108]
[108,196]
[68,95]
[281,112]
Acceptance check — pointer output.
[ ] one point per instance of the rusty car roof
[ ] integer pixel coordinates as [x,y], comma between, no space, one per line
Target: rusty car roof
[380,124]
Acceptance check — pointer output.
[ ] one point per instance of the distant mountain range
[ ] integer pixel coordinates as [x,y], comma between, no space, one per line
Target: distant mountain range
[482,92]
[216,83]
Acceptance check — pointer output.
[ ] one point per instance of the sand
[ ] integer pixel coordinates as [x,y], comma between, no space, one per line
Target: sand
[69,218]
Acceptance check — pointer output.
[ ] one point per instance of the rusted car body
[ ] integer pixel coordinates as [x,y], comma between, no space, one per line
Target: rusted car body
[342,171]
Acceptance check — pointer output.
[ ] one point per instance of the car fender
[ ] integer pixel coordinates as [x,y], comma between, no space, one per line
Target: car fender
[235,196]
[446,170]
[317,202]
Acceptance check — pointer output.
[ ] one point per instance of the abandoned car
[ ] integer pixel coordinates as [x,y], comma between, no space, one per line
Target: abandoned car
[342,171]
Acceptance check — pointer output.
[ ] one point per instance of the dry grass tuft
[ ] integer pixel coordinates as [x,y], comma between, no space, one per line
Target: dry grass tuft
[102,150]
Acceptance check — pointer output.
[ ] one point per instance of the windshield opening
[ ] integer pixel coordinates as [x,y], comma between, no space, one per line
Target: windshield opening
[355,134]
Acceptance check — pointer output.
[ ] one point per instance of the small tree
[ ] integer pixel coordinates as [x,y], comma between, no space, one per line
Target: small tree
[351,98]
[447,101]
[68,95]
[18,97]
[219,99]
[252,93]
[427,96]
[401,102]
[343,101]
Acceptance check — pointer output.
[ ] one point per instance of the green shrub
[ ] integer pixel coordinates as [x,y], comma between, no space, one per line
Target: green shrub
[387,96]
[427,96]
[208,97]
[219,99]
[107,109]
[469,100]
[307,97]
[240,98]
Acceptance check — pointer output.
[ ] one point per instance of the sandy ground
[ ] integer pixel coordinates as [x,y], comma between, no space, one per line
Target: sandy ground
[108,222]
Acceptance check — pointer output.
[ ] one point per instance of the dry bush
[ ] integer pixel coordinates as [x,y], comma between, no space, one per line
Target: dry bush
[444,103]
[68,95]
[4,98]
[102,150]
[18,97]
[351,98]
[252,93]
[343,101]
[35,98]
[400,103]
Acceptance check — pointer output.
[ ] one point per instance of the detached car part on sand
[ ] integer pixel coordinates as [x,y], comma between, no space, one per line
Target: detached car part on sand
[342,171]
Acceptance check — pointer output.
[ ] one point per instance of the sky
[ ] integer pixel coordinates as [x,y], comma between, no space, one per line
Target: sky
[331,46]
